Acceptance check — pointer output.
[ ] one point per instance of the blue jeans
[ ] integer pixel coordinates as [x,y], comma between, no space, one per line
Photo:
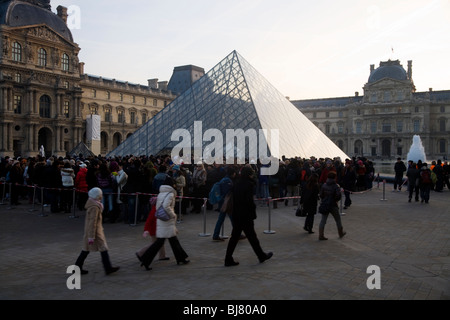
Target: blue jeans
[219,223]
[108,196]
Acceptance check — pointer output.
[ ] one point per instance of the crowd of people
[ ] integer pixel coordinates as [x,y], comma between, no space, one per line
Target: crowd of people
[128,189]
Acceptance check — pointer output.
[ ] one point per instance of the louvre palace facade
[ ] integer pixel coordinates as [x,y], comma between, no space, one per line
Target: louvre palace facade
[46,97]
[381,124]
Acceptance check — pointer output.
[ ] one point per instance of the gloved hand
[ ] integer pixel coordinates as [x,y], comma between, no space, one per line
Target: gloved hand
[90,241]
[146,234]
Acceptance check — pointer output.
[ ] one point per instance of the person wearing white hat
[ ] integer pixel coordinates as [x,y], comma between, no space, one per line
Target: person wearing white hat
[94,236]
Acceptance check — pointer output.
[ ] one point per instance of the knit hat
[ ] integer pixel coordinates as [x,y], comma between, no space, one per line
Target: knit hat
[95,193]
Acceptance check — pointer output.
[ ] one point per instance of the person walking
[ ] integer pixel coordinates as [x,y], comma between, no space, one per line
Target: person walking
[226,184]
[413,181]
[330,194]
[399,168]
[166,229]
[150,231]
[244,214]
[348,182]
[425,183]
[309,198]
[94,237]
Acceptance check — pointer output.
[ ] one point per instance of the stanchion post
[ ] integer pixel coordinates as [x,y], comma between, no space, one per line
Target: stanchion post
[384,191]
[74,196]
[204,234]
[42,214]
[342,202]
[136,205]
[179,210]
[3,196]
[34,196]
[269,231]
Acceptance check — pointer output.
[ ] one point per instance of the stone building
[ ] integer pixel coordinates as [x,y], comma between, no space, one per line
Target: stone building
[381,123]
[45,96]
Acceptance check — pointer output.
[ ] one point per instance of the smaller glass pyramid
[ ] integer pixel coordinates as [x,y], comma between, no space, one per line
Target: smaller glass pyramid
[233,96]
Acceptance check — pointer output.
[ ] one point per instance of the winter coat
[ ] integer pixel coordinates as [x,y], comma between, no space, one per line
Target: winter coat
[244,207]
[80,180]
[331,189]
[67,176]
[166,198]
[121,179]
[93,227]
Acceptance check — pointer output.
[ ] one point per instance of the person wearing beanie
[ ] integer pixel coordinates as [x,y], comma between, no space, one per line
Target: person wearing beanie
[94,237]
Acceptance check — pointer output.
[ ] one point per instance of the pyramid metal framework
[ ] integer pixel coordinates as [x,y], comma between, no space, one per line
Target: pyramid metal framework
[232,95]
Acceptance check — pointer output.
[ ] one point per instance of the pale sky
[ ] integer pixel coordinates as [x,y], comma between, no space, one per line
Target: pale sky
[306,49]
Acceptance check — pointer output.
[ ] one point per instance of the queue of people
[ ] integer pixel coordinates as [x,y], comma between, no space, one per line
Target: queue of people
[129,189]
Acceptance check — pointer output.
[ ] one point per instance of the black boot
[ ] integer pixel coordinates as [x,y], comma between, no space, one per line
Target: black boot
[80,261]
[107,263]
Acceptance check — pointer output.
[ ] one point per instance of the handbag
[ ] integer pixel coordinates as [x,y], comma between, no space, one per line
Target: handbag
[300,212]
[227,205]
[161,213]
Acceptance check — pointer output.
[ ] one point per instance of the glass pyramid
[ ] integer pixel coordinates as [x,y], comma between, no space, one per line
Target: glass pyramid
[232,95]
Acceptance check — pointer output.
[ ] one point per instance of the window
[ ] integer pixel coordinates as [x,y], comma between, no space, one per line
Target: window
[93,109]
[358,127]
[17,104]
[134,99]
[416,126]
[155,102]
[399,151]
[341,114]
[66,84]
[17,52]
[387,96]
[327,128]
[327,114]
[44,106]
[144,118]
[314,115]
[132,117]
[121,116]
[373,97]
[108,115]
[18,78]
[65,62]
[340,127]
[442,146]
[416,109]
[42,57]
[121,96]
[399,126]
[442,109]
[108,95]
[373,127]
[94,93]
[442,125]
[386,127]
[374,151]
[66,109]
[165,103]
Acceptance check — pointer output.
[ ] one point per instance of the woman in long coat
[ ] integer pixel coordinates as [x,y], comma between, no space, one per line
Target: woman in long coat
[166,229]
[94,238]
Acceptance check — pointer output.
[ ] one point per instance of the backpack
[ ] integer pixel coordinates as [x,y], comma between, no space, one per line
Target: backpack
[426,177]
[215,195]
[303,177]
[291,176]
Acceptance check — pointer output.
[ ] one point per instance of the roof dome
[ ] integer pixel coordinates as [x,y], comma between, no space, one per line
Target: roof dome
[15,13]
[389,69]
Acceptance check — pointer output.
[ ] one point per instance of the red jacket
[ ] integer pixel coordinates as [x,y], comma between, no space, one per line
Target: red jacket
[80,180]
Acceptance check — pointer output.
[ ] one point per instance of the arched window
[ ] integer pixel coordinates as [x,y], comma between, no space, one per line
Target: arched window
[42,57]
[65,62]
[44,106]
[17,52]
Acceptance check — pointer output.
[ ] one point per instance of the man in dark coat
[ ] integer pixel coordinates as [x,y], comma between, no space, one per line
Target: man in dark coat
[244,214]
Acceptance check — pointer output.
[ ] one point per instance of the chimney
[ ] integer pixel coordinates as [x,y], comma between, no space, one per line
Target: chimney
[372,67]
[62,13]
[410,69]
[153,83]
[81,67]
[356,94]
[162,85]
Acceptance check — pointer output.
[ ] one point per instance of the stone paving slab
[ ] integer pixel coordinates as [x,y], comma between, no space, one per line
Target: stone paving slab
[410,242]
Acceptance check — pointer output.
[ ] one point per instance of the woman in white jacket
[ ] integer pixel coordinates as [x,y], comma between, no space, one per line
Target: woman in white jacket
[166,229]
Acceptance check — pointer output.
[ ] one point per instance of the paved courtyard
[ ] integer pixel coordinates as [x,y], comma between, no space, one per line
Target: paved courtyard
[409,242]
